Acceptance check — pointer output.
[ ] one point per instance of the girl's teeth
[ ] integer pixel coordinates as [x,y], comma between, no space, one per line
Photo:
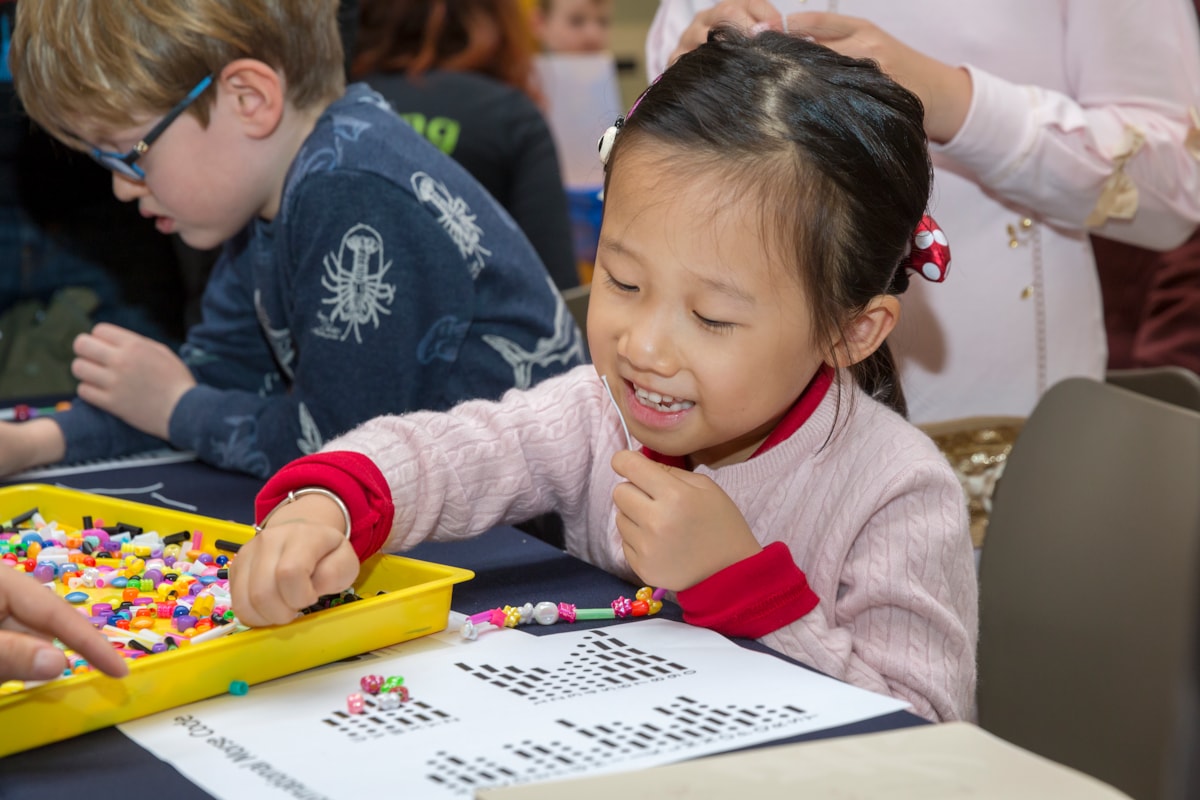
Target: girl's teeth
[664,402]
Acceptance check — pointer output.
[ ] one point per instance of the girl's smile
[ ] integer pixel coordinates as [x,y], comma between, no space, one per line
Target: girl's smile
[655,410]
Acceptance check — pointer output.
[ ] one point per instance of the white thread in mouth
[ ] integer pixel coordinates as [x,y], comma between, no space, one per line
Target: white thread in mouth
[607,388]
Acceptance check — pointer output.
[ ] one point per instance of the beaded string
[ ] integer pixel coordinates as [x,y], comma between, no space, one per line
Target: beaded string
[646,602]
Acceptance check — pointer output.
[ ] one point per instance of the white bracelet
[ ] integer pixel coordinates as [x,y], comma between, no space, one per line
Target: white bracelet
[293,495]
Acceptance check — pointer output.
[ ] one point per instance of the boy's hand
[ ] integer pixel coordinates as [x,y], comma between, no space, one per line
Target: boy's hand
[130,376]
[678,527]
[945,90]
[750,15]
[30,444]
[302,554]
[30,616]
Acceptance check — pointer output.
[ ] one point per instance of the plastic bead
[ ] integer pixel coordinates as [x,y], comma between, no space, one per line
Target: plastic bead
[621,606]
[354,703]
[389,701]
[238,688]
[545,613]
[392,684]
[371,684]
[566,612]
[76,598]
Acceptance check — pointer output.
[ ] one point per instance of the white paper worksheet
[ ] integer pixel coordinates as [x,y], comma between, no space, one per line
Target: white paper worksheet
[506,709]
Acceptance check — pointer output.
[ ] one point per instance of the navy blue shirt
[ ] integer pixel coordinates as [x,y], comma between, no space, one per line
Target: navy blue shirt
[389,281]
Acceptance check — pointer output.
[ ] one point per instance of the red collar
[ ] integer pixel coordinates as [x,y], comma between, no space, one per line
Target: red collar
[796,416]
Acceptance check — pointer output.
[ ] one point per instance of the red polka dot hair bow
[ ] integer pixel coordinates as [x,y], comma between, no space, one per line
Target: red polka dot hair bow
[928,251]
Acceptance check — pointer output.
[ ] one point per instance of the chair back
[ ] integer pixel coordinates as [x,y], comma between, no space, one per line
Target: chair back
[1089,600]
[1174,385]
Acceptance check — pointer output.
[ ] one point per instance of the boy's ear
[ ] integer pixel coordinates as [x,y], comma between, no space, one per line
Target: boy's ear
[868,331]
[255,93]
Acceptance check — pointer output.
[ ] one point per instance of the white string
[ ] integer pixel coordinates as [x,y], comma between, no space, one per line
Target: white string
[607,388]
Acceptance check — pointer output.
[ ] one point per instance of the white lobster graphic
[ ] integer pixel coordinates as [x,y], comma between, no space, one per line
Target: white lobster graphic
[359,294]
[561,348]
[456,218]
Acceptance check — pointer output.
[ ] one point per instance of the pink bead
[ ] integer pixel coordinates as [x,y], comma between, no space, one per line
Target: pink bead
[354,703]
[371,683]
[622,606]
[566,612]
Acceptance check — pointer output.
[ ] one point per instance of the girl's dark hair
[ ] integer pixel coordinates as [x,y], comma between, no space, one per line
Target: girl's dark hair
[490,37]
[832,149]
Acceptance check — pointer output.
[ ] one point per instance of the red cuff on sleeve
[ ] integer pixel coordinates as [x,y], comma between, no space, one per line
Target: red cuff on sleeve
[351,476]
[751,598]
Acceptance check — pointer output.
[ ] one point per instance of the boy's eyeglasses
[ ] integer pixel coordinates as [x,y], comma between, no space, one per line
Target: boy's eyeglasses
[126,163]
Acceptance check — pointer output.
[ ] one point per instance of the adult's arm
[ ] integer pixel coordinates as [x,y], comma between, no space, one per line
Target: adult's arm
[1111,156]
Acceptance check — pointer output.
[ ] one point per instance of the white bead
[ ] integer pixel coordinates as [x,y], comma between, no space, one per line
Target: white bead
[545,613]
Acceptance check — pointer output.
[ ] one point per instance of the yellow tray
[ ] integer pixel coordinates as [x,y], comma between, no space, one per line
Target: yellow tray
[416,603]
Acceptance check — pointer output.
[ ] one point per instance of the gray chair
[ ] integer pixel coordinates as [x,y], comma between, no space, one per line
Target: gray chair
[1090,590]
[577,303]
[1170,384]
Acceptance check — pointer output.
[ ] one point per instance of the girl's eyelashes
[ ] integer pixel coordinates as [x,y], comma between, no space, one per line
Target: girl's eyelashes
[616,284]
[715,325]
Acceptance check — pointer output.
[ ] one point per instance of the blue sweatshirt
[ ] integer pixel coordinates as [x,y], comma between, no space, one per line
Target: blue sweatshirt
[389,281]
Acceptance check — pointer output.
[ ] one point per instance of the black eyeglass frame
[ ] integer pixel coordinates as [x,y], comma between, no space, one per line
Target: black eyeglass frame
[126,163]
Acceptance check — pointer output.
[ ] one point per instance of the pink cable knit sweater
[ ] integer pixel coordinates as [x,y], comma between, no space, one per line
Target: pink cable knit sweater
[873,515]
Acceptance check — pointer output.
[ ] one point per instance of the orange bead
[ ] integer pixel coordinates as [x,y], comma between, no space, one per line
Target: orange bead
[130,594]
[140,622]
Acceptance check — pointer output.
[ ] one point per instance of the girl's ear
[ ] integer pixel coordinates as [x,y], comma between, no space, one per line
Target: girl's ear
[865,334]
[255,94]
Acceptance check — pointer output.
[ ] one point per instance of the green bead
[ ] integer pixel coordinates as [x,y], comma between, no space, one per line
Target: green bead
[238,688]
[594,613]
[391,683]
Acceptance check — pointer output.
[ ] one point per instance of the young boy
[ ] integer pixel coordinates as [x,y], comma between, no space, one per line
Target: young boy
[363,272]
[573,26]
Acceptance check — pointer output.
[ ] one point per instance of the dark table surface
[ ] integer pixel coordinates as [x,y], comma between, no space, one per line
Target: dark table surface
[510,566]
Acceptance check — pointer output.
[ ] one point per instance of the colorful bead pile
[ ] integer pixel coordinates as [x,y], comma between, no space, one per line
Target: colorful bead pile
[389,693]
[145,592]
[647,601]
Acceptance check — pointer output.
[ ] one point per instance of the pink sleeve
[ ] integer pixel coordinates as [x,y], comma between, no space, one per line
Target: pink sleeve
[454,474]
[1135,71]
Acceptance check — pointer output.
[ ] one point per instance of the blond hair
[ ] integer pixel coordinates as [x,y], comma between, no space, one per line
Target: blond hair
[109,62]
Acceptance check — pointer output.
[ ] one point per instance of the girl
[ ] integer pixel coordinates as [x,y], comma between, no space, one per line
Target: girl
[760,203]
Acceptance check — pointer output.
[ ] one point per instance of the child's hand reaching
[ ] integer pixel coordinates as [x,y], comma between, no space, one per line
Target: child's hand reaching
[678,527]
[302,554]
[130,376]
[31,615]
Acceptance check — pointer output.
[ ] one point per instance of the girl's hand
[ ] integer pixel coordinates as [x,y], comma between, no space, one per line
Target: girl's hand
[301,555]
[130,376]
[945,90]
[750,15]
[678,527]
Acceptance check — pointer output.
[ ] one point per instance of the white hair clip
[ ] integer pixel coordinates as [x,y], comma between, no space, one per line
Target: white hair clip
[609,138]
